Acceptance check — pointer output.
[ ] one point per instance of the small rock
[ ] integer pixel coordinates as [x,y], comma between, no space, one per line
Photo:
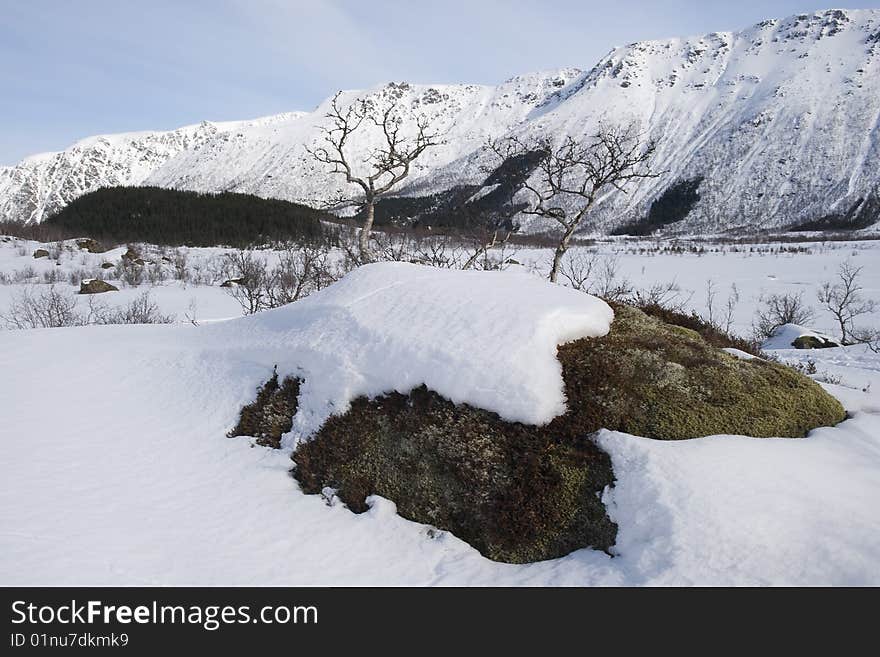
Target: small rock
[232,282]
[813,342]
[107,265]
[96,286]
[90,245]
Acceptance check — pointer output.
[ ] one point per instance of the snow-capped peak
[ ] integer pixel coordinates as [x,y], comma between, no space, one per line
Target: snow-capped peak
[778,123]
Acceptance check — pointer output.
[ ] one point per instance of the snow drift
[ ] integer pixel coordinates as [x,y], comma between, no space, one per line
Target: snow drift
[484,338]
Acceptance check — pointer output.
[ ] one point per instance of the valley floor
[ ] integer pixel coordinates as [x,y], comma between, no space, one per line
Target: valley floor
[116,468]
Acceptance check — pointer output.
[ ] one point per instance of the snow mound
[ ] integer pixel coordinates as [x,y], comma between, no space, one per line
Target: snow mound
[484,338]
[784,336]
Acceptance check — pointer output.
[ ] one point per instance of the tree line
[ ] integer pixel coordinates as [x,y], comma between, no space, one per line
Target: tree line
[182,218]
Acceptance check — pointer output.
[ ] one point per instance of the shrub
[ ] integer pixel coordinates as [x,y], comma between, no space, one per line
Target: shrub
[780,309]
[49,308]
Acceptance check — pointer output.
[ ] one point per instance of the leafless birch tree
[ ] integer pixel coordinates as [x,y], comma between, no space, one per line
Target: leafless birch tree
[845,300]
[386,165]
[574,174]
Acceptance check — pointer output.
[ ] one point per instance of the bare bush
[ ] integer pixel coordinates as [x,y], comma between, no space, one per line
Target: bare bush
[179,262]
[610,283]
[212,271]
[52,276]
[845,301]
[77,276]
[247,284]
[722,317]
[26,274]
[780,309]
[130,273]
[299,273]
[577,269]
[481,258]
[53,308]
[141,310]
[48,308]
[155,273]
[600,275]
[668,296]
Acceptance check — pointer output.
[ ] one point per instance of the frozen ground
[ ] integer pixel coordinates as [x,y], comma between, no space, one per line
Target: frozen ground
[116,468]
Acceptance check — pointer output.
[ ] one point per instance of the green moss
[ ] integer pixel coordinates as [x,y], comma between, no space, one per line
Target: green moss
[812,342]
[661,381]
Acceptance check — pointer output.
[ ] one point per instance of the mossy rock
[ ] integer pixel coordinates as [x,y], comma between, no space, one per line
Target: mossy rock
[131,255]
[96,286]
[515,492]
[812,342]
[270,416]
[522,493]
[661,381]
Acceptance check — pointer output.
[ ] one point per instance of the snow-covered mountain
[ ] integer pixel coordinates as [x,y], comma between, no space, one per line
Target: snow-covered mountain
[779,124]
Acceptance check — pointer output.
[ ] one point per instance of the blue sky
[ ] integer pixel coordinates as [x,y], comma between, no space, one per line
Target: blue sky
[73,68]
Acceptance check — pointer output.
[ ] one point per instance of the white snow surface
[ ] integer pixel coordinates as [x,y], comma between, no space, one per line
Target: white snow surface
[485,338]
[116,469]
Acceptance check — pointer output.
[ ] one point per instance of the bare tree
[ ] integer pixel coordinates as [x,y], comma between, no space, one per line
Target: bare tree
[844,299]
[575,173]
[387,165]
[779,309]
[248,285]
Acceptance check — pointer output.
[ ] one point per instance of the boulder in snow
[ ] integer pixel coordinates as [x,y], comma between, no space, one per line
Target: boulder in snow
[470,399]
[96,286]
[790,336]
[91,245]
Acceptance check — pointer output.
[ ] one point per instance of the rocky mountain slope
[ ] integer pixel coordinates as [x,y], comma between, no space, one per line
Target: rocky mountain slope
[774,126]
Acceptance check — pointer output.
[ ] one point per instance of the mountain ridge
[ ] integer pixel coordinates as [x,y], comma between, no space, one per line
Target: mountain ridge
[780,122]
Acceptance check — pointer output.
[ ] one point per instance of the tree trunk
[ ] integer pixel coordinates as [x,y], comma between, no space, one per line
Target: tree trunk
[560,252]
[364,243]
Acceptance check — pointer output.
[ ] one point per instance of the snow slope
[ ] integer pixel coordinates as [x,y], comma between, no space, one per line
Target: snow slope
[780,119]
[116,467]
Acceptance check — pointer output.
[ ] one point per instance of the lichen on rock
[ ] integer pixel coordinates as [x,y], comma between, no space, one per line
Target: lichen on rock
[513,491]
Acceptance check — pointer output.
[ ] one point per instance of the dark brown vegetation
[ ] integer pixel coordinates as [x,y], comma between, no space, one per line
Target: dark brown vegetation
[270,415]
[515,492]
